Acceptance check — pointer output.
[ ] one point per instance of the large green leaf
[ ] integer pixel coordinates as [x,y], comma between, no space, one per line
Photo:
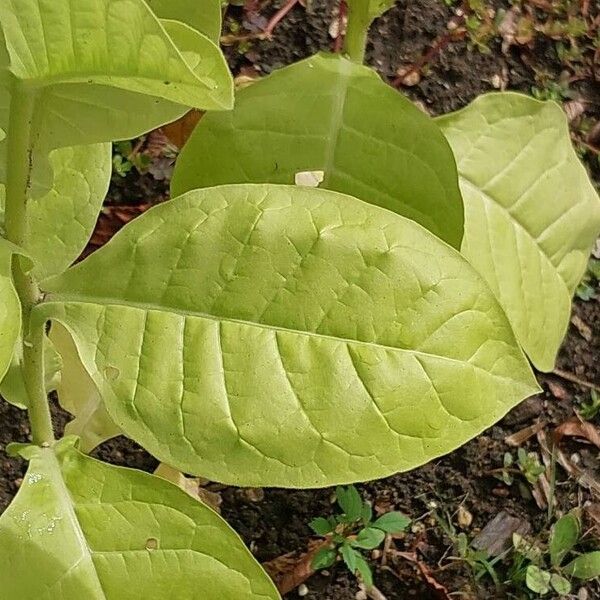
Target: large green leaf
[329,114]
[278,335]
[10,307]
[82,530]
[104,70]
[204,16]
[531,213]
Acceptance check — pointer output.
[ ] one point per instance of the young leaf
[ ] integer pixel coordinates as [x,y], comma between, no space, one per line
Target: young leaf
[367,513]
[78,394]
[586,566]
[537,580]
[392,522]
[531,213]
[324,558]
[560,584]
[203,16]
[10,307]
[328,114]
[61,222]
[364,571]
[349,555]
[372,8]
[369,538]
[350,502]
[287,320]
[321,526]
[563,538]
[100,532]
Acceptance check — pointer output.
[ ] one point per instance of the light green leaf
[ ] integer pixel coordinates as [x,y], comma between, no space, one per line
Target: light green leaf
[204,16]
[349,555]
[350,502]
[563,538]
[103,70]
[324,558]
[537,580]
[560,584]
[369,538]
[586,566]
[321,526]
[364,570]
[328,114]
[78,394]
[370,8]
[10,307]
[532,214]
[392,522]
[98,532]
[285,336]
[61,222]
[12,387]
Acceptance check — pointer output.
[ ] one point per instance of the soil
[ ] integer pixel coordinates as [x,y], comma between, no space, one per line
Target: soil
[274,523]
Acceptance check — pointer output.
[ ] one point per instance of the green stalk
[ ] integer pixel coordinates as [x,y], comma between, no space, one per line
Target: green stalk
[355,42]
[20,124]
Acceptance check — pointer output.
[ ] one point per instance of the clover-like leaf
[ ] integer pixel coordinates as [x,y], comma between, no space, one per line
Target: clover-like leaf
[102,70]
[330,115]
[100,532]
[277,335]
[531,213]
[204,16]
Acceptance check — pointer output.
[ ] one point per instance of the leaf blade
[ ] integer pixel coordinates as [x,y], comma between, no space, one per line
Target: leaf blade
[317,115]
[513,153]
[64,494]
[258,326]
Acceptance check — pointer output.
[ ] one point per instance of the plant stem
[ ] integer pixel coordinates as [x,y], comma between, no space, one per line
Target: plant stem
[20,124]
[355,42]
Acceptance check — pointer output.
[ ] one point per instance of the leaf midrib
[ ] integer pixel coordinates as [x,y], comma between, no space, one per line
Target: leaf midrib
[65,500]
[102,301]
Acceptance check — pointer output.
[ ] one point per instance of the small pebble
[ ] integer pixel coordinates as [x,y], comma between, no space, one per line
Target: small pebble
[302,590]
[582,594]
[575,458]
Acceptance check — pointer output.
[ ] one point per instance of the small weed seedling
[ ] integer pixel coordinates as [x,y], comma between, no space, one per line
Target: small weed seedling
[539,570]
[354,531]
[527,465]
[589,410]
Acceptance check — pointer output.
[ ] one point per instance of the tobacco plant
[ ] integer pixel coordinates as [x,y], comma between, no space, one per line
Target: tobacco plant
[252,331]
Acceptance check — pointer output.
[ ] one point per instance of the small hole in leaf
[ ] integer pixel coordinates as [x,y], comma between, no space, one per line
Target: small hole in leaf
[111,373]
[151,544]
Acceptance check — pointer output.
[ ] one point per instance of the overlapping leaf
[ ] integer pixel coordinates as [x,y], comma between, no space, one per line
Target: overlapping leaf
[329,114]
[104,69]
[10,307]
[98,532]
[78,394]
[276,335]
[204,16]
[532,214]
